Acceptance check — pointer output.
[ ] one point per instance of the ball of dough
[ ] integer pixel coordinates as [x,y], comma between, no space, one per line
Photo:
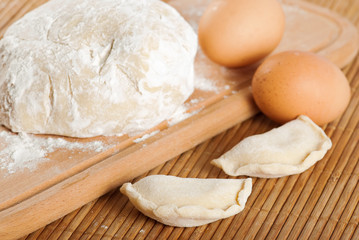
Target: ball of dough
[95,67]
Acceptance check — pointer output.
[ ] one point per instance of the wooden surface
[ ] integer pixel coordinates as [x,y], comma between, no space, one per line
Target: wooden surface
[323,201]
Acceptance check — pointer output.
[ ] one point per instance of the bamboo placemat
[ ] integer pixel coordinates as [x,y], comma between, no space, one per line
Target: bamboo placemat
[321,203]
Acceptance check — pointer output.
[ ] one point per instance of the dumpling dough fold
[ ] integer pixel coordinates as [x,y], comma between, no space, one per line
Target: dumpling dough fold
[188,202]
[289,149]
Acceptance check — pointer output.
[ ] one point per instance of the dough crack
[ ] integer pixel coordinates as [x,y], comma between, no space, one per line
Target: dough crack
[132,81]
[71,92]
[104,61]
[51,99]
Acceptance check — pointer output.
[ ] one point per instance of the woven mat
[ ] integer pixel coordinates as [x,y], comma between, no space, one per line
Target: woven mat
[319,203]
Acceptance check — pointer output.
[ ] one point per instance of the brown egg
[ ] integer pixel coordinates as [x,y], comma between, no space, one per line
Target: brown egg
[235,33]
[295,83]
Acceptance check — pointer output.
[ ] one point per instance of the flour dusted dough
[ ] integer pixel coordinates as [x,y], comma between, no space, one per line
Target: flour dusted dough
[95,67]
[188,202]
[289,149]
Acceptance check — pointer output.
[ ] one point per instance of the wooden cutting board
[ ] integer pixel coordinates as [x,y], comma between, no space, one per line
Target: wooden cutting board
[69,178]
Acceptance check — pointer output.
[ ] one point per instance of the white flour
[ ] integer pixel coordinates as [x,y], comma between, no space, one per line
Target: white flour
[144,137]
[25,151]
[205,84]
[180,115]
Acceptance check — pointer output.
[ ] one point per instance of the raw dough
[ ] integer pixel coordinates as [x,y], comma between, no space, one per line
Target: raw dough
[188,202]
[289,149]
[83,68]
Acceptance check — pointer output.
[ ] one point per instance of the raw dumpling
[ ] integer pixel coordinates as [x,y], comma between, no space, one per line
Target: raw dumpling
[289,149]
[188,202]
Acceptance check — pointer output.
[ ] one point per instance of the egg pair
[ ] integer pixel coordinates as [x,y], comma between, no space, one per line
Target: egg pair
[236,33]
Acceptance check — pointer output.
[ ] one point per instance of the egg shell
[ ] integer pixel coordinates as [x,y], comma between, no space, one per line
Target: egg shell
[294,83]
[236,33]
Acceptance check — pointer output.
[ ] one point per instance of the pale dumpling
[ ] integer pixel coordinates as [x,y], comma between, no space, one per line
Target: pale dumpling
[188,202]
[289,149]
